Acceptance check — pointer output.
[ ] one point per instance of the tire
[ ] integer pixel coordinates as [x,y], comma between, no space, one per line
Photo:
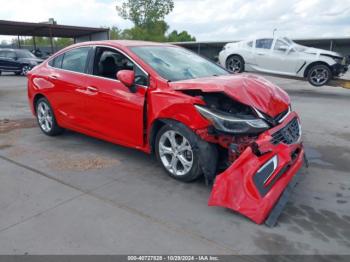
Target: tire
[179,158]
[235,63]
[319,75]
[46,118]
[0,72]
[25,69]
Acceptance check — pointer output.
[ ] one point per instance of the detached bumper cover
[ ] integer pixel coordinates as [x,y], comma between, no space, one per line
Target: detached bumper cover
[254,183]
[338,69]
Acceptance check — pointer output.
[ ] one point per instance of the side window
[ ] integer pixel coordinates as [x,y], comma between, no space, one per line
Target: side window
[265,43]
[108,62]
[57,61]
[250,44]
[75,60]
[279,44]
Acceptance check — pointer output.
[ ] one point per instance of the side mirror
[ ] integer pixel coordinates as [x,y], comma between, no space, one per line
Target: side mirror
[127,77]
[283,48]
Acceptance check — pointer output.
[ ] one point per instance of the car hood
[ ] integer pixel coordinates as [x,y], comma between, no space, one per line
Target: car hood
[318,51]
[247,89]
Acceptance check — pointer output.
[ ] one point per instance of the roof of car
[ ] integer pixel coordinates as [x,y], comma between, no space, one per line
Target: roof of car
[125,43]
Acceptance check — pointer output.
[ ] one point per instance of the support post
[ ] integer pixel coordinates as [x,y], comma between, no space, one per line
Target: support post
[34,43]
[51,42]
[18,42]
[331,46]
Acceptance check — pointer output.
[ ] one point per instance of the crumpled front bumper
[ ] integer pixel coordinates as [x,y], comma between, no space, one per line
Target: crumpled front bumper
[250,190]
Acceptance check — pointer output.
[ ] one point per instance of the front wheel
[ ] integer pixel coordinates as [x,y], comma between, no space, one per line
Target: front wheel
[235,64]
[25,70]
[319,75]
[175,151]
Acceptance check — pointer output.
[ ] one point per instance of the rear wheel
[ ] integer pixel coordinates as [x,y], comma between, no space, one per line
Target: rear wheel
[319,75]
[0,72]
[175,151]
[46,118]
[235,63]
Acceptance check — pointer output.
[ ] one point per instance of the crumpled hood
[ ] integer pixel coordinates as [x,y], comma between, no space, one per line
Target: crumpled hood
[247,89]
[317,51]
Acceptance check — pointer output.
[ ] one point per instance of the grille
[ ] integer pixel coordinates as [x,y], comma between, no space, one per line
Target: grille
[289,134]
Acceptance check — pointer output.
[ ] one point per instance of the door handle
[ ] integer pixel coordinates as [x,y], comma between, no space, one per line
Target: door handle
[54,77]
[92,89]
[261,54]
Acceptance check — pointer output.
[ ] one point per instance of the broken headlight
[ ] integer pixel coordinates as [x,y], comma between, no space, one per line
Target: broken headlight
[230,124]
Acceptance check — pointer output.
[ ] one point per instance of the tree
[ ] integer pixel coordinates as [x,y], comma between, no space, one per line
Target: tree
[184,36]
[148,18]
[144,13]
[115,33]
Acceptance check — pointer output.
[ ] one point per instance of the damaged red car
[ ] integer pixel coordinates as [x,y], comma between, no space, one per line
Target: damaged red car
[238,131]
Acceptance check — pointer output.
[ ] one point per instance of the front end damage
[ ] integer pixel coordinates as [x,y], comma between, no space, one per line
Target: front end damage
[257,141]
[254,182]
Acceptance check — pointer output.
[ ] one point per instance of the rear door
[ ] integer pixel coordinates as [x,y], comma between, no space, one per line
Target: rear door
[67,73]
[262,53]
[116,112]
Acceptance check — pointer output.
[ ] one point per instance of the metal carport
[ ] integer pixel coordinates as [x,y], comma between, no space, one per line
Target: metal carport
[78,33]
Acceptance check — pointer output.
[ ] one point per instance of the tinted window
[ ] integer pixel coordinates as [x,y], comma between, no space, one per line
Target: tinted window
[109,61]
[75,60]
[174,63]
[264,43]
[24,54]
[57,61]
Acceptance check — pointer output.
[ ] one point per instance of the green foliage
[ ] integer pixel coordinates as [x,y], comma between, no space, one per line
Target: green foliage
[184,36]
[44,41]
[145,13]
[148,18]
[115,33]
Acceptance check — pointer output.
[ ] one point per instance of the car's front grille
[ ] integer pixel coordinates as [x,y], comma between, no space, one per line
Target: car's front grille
[289,134]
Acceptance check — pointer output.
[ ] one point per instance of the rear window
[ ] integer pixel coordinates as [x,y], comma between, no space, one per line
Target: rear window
[75,60]
[57,61]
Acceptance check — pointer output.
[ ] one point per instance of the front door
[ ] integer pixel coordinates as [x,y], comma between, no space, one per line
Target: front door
[114,110]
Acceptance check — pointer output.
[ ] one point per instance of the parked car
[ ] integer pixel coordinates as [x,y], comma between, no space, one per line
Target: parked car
[284,57]
[198,118]
[19,61]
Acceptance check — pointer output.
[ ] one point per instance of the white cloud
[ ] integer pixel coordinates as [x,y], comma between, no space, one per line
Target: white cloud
[208,20]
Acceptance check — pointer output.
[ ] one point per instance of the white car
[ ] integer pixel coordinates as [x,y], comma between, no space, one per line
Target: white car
[282,56]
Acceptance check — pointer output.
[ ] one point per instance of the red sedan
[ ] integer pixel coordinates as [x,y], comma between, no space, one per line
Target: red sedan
[239,131]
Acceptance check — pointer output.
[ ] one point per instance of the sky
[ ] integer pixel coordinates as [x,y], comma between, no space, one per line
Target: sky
[207,20]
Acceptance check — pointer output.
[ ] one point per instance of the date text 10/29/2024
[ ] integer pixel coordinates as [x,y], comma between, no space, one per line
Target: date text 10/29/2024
[173,258]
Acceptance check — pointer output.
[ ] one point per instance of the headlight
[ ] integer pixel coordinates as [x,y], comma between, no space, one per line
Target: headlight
[230,124]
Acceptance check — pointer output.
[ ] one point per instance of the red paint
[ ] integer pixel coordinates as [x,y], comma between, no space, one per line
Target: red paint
[107,109]
[235,189]
[127,77]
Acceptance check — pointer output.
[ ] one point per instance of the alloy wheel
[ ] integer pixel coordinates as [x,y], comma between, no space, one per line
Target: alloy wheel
[234,64]
[319,76]
[45,117]
[175,153]
[25,70]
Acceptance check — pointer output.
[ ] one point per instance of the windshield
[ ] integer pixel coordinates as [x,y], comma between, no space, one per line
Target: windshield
[174,63]
[25,54]
[293,44]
